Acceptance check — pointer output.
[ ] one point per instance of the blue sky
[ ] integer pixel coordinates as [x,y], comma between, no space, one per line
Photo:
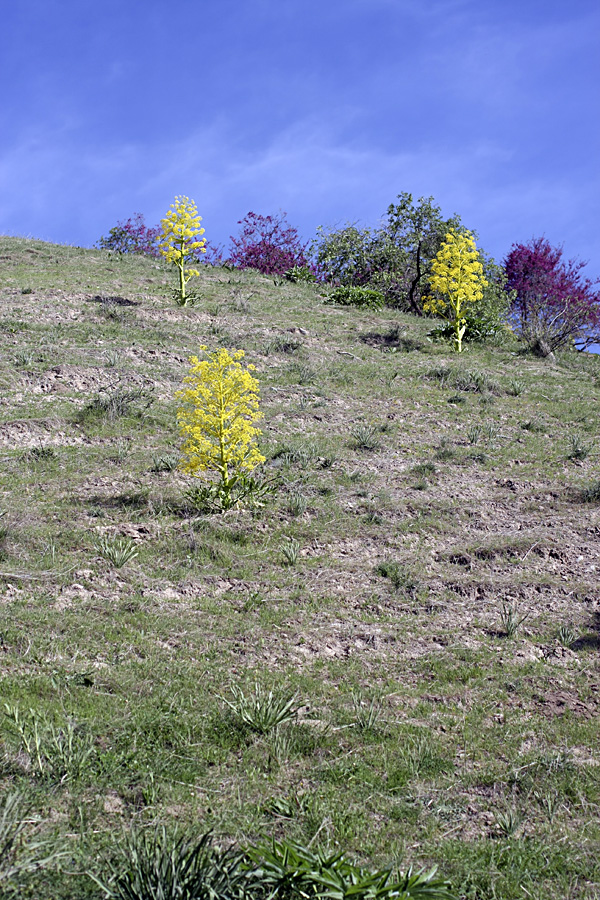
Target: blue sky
[326,110]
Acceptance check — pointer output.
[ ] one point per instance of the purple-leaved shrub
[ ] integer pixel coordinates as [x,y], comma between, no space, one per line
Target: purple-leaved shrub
[553,303]
[269,244]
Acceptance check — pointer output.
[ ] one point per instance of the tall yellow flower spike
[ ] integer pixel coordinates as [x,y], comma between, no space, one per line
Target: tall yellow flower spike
[180,227]
[220,405]
[457,278]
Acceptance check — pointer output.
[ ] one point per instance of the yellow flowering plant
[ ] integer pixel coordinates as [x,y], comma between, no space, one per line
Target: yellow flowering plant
[456,280]
[220,404]
[178,242]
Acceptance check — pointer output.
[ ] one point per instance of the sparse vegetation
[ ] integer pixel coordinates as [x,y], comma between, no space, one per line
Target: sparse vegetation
[325,676]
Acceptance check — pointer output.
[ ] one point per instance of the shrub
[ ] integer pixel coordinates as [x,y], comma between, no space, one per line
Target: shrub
[269,244]
[300,273]
[346,256]
[394,259]
[131,236]
[347,295]
[553,304]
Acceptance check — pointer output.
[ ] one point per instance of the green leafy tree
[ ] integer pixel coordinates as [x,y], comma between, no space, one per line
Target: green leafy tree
[415,232]
[457,281]
[346,256]
[394,259]
[178,244]
[220,405]
[488,319]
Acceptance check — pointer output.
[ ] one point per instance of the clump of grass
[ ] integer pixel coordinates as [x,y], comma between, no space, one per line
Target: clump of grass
[510,619]
[302,373]
[156,866]
[470,381]
[112,405]
[401,578]
[398,341]
[549,802]
[262,710]
[508,821]
[118,551]
[297,454]
[419,757]
[591,494]
[253,601]
[364,436]
[290,548]
[441,374]
[283,345]
[490,430]
[4,530]
[534,425]
[121,451]
[13,326]
[579,449]
[24,359]
[372,515]
[20,852]
[367,713]
[515,387]
[566,635]
[445,451]
[477,382]
[40,454]
[57,752]
[111,358]
[281,743]
[424,472]
[164,462]
[478,457]
[297,504]
[474,433]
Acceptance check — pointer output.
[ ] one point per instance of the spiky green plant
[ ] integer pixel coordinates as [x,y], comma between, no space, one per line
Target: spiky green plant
[262,709]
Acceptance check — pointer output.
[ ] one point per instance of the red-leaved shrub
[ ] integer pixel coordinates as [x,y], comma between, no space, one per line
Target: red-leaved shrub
[269,244]
[554,304]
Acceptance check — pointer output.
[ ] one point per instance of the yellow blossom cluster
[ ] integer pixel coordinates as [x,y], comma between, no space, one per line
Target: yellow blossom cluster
[177,242]
[219,406]
[456,280]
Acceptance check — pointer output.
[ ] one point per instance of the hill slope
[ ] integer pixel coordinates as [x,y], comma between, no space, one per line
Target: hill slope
[430,502]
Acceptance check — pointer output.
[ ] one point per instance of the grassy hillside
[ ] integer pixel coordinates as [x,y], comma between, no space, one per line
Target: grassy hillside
[428,504]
